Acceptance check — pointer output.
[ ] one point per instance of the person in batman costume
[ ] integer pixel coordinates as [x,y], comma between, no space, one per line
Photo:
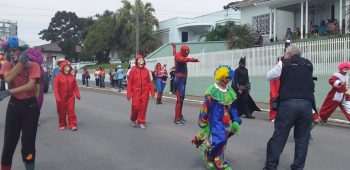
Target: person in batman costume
[245,104]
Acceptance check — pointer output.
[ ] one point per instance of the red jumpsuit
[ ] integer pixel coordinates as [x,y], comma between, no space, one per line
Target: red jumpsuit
[66,89]
[274,88]
[337,97]
[139,88]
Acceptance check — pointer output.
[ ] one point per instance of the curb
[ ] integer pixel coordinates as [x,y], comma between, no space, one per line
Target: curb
[336,121]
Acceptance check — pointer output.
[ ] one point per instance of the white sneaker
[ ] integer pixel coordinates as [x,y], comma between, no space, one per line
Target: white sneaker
[143,127]
[74,129]
[273,120]
[62,128]
[133,124]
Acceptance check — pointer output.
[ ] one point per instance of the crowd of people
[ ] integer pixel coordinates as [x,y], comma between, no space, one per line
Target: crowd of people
[325,27]
[292,101]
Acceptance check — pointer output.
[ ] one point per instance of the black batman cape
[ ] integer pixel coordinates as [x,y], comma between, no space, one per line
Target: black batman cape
[241,78]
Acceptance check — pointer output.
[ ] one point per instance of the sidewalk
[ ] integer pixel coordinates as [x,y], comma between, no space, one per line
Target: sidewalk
[336,118]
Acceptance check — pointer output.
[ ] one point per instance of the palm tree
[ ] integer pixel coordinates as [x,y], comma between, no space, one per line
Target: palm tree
[126,26]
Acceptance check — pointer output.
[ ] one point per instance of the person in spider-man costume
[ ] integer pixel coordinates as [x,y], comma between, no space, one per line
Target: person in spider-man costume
[181,61]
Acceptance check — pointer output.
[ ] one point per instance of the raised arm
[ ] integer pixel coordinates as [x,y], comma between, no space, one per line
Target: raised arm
[183,59]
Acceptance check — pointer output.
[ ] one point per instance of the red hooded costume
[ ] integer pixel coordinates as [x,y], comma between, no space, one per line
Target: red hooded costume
[139,88]
[66,89]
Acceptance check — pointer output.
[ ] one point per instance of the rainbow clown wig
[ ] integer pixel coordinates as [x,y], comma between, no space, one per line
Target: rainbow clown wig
[222,72]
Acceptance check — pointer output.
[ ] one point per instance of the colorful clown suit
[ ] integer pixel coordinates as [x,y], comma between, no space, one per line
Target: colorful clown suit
[339,96]
[66,90]
[218,120]
[139,89]
[181,61]
[36,56]
[161,76]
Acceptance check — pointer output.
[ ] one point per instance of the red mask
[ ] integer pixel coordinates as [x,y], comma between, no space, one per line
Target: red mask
[185,50]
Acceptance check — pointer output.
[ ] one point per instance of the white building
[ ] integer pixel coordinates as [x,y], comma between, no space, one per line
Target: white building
[190,29]
[8,29]
[273,17]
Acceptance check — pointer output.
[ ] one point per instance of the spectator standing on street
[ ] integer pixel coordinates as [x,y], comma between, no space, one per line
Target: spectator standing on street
[111,79]
[296,100]
[86,76]
[102,77]
[120,77]
[75,71]
[114,78]
[97,77]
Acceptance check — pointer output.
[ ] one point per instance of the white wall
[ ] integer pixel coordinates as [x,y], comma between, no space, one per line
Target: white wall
[175,35]
[247,13]
[284,20]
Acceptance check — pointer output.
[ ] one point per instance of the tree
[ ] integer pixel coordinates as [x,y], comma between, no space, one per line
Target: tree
[241,36]
[65,28]
[219,33]
[126,27]
[68,49]
[63,25]
[100,39]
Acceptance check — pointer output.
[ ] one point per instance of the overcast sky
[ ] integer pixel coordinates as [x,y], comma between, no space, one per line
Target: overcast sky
[35,15]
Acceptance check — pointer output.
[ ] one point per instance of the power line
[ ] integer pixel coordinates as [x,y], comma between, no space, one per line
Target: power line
[43,9]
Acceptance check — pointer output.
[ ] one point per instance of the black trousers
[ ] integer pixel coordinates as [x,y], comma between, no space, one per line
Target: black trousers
[172,86]
[297,113]
[97,81]
[21,116]
[243,102]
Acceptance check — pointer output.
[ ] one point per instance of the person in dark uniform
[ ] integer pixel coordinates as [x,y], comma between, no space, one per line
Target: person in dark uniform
[245,104]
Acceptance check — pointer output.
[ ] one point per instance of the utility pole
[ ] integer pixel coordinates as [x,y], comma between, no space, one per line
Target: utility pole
[137,26]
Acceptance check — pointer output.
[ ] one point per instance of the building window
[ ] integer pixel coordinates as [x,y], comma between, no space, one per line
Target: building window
[184,36]
[262,23]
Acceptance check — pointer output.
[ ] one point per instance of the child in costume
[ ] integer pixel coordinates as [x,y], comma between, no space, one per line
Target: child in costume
[66,90]
[339,96]
[22,112]
[181,60]
[218,120]
[139,89]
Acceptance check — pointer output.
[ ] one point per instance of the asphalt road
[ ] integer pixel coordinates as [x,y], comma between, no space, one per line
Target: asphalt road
[105,140]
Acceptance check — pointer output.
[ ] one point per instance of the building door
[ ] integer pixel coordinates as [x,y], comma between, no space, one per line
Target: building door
[184,36]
